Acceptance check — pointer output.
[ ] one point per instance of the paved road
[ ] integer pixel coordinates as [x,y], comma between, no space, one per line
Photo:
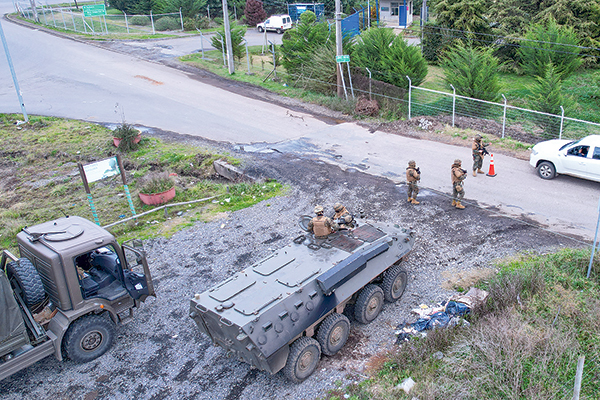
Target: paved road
[66,78]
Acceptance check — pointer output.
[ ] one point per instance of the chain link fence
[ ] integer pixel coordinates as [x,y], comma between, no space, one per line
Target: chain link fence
[72,19]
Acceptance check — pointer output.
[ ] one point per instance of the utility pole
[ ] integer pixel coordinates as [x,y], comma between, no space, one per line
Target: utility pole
[228,38]
[338,46]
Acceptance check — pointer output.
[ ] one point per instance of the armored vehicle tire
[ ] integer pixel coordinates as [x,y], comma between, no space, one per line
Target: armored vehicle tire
[88,338]
[333,333]
[369,304]
[23,273]
[302,361]
[394,283]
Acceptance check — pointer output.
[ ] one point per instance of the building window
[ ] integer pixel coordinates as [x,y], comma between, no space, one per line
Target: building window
[395,8]
[385,9]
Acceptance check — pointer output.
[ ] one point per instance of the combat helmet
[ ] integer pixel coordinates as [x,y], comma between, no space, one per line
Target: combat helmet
[319,210]
[412,163]
[478,137]
[338,207]
[457,161]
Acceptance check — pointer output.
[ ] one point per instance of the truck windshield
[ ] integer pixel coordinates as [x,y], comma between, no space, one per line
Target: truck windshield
[564,146]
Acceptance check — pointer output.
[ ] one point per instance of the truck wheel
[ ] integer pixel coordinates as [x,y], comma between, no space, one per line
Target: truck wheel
[333,333]
[88,338]
[303,359]
[369,304]
[279,31]
[546,170]
[394,283]
[23,274]
[261,29]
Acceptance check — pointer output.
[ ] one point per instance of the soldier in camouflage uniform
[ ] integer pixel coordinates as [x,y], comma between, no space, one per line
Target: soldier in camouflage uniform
[413,176]
[478,149]
[458,176]
[342,217]
[321,226]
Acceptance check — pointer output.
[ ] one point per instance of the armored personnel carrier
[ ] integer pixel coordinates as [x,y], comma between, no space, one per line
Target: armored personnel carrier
[286,310]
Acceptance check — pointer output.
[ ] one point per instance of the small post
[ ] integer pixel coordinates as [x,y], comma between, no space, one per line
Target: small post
[350,80]
[152,21]
[53,20]
[409,94]
[578,377]
[14,75]
[44,14]
[82,19]
[62,16]
[369,71]
[504,117]
[201,42]
[105,27]
[124,178]
[562,118]
[453,103]
[247,55]
[88,192]
[73,20]
[223,49]
[274,58]
[341,70]
[208,11]
[126,23]
[595,241]
[181,19]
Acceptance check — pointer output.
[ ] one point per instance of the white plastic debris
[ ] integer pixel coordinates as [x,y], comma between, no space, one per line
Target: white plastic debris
[407,385]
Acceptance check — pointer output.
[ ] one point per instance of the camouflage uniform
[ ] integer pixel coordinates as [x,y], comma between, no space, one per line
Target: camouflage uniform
[321,226]
[413,176]
[477,148]
[342,217]
[458,176]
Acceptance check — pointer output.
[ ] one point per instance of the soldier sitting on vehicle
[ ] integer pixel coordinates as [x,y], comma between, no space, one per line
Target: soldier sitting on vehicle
[321,226]
[342,217]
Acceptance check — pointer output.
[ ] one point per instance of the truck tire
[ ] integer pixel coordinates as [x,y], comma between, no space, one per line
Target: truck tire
[369,304]
[394,283]
[88,338]
[302,361]
[23,274]
[333,333]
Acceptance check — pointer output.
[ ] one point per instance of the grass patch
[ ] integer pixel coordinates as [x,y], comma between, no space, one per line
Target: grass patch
[542,314]
[41,181]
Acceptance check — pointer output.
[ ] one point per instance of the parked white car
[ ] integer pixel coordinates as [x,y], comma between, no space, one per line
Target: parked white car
[579,158]
[276,23]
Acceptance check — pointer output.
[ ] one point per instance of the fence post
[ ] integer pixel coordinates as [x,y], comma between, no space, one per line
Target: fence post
[105,27]
[350,80]
[578,375]
[126,23]
[181,19]
[247,56]
[222,49]
[152,21]
[369,71]
[562,118]
[453,103]
[62,16]
[44,14]
[409,94]
[83,19]
[52,13]
[504,117]
[73,20]
[201,42]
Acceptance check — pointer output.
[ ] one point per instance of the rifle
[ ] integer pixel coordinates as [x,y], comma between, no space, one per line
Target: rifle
[484,151]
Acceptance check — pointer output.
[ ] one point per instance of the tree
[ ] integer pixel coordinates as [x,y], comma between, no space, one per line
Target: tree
[389,57]
[255,13]
[473,72]
[550,44]
[583,16]
[466,18]
[237,35]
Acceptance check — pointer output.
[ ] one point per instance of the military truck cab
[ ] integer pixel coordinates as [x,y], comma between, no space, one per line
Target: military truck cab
[73,284]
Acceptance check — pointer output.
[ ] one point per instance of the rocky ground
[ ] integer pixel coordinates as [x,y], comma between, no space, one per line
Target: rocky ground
[161,354]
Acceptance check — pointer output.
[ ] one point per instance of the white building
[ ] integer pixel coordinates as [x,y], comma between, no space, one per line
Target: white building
[396,13]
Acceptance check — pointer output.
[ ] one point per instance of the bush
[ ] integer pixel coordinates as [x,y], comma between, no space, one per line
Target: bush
[156,183]
[237,45]
[167,24]
[128,135]
[198,22]
[140,20]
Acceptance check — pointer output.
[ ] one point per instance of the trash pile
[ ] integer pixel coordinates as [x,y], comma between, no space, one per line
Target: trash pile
[443,315]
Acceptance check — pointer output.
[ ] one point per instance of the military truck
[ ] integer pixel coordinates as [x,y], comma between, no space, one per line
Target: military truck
[287,309]
[72,284]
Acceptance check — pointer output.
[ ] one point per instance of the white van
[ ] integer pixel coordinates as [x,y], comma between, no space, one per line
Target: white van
[276,23]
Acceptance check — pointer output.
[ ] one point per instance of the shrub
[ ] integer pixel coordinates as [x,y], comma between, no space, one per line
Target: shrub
[128,135]
[237,45]
[167,24]
[140,20]
[254,12]
[156,183]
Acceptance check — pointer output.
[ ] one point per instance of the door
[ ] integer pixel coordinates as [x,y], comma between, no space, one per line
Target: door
[575,160]
[402,14]
[593,169]
[138,280]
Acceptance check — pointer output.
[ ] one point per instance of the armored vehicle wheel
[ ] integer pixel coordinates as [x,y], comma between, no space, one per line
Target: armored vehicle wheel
[333,333]
[24,275]
[394,283]
[302,361]
[369,304]
[88,338]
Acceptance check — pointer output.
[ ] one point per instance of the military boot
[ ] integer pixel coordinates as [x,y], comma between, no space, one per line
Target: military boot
[459,206]
[453,203]
[474,173]
[410,199]
[479,171]
[414,201]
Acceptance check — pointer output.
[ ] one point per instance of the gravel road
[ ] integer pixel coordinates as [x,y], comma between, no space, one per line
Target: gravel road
[161,354]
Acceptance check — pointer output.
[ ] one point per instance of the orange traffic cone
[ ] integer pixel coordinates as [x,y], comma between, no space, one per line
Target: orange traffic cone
[492,171]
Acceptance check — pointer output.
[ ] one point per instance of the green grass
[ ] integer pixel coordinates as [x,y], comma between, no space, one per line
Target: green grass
[541,315]
[41,180]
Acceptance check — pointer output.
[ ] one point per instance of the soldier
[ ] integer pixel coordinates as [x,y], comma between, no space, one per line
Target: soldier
[321,225]
[458,176]
[342,217]
[479,152]
[413,176]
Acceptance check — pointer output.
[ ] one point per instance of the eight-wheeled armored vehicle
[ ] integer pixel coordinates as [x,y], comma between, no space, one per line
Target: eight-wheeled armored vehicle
[287,309]
[64,295]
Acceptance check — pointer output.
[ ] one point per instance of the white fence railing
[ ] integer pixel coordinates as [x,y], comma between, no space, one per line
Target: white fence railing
[72,19]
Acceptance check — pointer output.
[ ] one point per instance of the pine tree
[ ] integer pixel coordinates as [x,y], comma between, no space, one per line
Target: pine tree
[255,13]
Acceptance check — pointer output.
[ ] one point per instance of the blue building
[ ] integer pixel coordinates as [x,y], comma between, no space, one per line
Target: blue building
[295,10]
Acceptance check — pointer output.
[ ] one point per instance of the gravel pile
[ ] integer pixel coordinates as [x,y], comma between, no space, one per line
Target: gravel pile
[162,355]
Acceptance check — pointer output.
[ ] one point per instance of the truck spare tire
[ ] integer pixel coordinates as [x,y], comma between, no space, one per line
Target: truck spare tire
[25,277]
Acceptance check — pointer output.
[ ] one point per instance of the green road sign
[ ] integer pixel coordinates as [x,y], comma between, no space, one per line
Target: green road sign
[95,10]
[341,59]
